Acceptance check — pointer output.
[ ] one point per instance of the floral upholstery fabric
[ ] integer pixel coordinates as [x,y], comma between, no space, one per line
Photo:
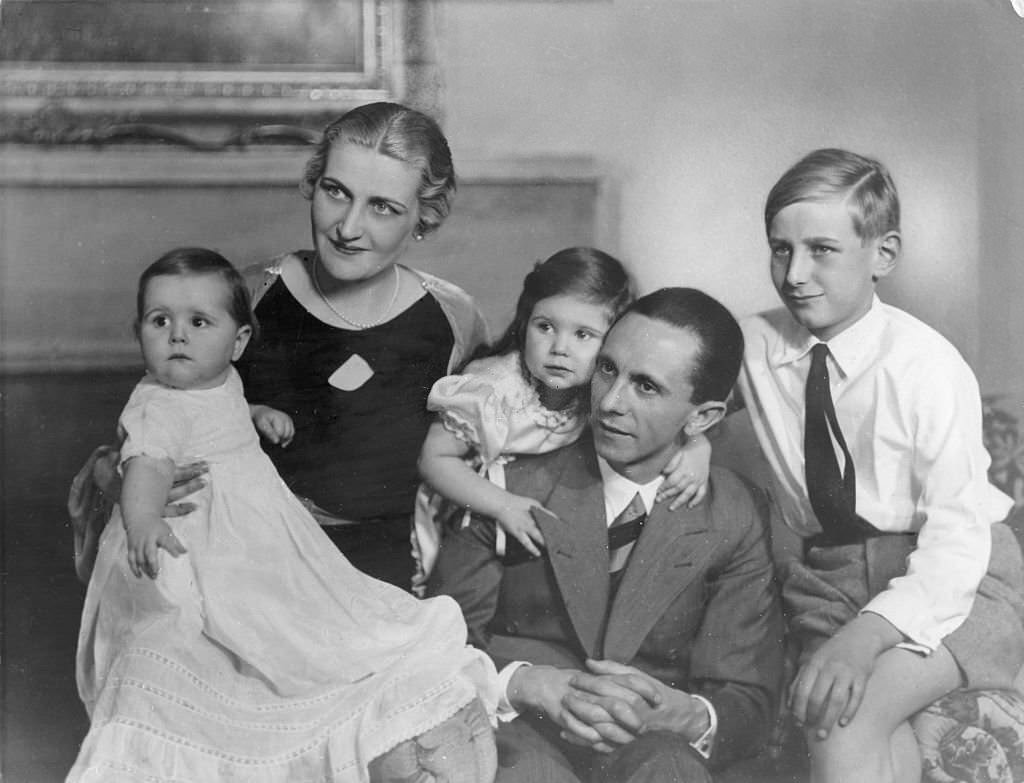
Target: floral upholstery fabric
[1001,422]
[978,737]
[975,737]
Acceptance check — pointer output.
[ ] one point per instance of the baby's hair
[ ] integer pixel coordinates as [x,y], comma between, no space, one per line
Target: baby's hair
[184,261]
[401,133]
[584,272]
[863,183]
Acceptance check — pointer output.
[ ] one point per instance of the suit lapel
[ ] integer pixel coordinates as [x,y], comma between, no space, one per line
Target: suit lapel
[577,543]
[664,561]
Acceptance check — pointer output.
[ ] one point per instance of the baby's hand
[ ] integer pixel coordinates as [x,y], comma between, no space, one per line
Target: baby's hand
[144,541]
[517,521]
[274,425]
[686,475]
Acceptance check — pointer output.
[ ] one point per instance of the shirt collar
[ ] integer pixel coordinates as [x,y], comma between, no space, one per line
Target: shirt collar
[619,490]
[849,348]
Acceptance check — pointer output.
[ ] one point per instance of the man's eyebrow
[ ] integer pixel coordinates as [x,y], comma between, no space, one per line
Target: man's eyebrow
[642,377]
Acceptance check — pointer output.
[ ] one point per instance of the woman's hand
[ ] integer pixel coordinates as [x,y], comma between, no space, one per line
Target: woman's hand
[517,521]
[145,539]
[187,479]
[686,475]
[274,425]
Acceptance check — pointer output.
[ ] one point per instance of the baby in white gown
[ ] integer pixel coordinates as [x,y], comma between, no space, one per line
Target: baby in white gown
[249,648]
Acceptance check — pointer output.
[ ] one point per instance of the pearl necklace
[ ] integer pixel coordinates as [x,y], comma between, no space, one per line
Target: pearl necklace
[346,319]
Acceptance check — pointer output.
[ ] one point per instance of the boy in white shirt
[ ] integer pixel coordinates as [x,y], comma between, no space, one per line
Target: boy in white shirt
[871,422]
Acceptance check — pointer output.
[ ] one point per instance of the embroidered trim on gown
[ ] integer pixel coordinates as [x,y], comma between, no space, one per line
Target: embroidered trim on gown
[261,655]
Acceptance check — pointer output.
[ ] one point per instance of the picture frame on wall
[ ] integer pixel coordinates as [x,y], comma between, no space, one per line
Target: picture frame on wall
[181,61]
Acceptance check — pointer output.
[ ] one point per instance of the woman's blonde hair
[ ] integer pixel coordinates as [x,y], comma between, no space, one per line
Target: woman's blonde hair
[400,133]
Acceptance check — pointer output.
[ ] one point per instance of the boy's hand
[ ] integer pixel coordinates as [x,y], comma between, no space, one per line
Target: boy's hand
[686,475]
[830,686]
[517,521]
[145,539]
[274,425]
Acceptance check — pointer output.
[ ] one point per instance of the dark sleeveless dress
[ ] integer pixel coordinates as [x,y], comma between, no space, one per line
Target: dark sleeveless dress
[354,452]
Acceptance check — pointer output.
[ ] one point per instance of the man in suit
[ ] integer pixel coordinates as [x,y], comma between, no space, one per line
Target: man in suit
[644,644]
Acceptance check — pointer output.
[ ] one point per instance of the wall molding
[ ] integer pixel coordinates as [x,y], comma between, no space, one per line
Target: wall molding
[58,88]
[39,167]
[25,357]
[26,169]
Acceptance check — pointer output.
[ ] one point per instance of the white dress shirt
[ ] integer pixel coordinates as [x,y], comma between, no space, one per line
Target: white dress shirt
[910,412]
[619,492]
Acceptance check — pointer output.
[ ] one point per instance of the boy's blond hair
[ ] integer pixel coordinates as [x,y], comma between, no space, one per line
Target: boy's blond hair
[827,174]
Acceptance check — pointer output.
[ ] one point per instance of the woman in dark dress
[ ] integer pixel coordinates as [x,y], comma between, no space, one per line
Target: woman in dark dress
[351,344]
[352,341]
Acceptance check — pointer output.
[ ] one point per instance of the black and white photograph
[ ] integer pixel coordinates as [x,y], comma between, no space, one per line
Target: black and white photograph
[512,391]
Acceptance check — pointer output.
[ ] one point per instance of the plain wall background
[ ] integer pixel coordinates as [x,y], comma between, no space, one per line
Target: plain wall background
[676,115]
[688,110]
[695,107]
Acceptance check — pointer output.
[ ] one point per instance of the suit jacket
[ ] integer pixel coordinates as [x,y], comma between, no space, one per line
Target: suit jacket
[697,607]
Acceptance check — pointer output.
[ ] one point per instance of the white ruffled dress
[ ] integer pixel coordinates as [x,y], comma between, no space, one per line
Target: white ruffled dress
[261,655]
[498,413]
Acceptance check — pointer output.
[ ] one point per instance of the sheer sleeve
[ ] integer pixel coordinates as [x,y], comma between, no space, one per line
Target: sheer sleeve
[477,406]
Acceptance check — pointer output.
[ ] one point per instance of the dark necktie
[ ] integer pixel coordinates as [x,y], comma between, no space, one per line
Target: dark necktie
[623,533]
[833,495]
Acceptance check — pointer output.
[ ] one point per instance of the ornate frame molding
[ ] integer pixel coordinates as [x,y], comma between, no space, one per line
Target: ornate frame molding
[204,107]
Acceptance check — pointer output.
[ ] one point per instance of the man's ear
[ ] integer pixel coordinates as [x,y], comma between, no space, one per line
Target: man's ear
[887,250]
[241,340]
[704,417]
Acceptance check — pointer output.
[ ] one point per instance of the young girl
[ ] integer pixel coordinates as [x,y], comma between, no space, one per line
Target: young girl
[236,643]
[530,395]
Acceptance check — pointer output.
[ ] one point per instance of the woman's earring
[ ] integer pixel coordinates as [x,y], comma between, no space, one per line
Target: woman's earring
[417,235]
